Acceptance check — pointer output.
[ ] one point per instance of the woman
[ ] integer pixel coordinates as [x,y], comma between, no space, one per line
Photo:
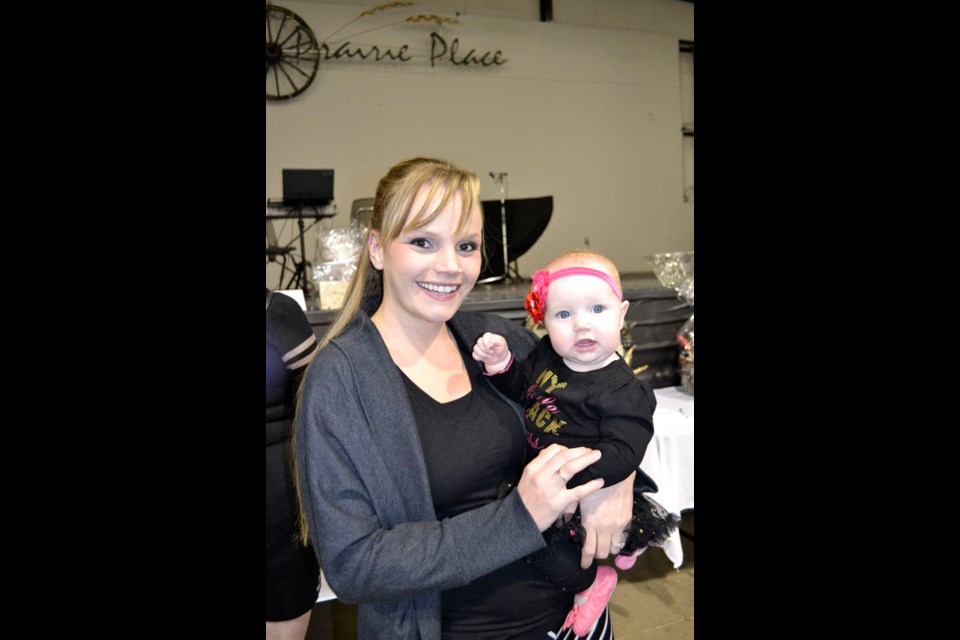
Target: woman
[408,459]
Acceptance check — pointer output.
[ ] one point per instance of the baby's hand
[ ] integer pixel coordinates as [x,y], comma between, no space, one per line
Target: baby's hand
[491,349]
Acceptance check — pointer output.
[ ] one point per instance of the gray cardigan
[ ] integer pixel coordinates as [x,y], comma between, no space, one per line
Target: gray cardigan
[366,495]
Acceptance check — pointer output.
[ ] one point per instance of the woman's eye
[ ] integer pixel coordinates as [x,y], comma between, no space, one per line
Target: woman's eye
[423,243]
[598,308]
[563,314]
[467,247]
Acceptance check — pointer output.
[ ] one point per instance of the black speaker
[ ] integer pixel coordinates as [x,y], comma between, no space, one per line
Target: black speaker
[527,218]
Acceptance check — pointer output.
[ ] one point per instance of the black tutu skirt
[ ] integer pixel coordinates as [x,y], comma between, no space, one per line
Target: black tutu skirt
[651,524]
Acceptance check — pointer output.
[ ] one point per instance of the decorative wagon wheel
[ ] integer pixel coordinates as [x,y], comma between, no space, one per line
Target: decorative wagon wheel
[292,54]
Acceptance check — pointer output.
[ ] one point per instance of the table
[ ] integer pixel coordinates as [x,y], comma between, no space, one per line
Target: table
[669,458]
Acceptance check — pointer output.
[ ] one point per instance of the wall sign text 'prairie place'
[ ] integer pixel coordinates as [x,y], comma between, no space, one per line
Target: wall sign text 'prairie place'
[439,51]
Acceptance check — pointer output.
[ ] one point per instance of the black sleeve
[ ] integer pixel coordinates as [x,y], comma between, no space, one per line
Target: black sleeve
[514,381]
[291,345]
[626,428]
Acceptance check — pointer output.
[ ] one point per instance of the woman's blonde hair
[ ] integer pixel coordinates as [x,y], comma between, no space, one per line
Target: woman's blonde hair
[392,215]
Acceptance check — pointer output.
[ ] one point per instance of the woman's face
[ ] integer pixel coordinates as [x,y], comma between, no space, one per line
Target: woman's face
[428,272]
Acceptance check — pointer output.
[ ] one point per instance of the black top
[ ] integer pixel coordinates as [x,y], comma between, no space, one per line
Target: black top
[472,446]
[290,341]
[607,409]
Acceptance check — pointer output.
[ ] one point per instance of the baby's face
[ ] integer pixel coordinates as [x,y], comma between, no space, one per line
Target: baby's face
[583,318]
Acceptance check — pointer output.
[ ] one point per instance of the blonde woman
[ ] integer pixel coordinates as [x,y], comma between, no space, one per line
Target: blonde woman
[410,464]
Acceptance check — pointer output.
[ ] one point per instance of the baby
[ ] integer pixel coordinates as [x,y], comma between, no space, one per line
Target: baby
[578,391]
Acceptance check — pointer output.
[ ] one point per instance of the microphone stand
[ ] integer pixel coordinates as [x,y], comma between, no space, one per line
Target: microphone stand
[500,178]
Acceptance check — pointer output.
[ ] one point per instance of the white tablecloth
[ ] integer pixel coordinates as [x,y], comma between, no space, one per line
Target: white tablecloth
[669,459]
[325,593]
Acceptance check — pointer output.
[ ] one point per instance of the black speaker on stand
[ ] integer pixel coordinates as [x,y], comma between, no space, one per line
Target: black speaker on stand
[522,221]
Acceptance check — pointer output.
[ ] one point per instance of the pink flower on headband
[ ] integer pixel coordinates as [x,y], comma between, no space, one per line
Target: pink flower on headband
[536,301]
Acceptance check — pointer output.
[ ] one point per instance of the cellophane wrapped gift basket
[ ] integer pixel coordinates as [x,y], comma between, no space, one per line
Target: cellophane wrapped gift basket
[674,270]
[339,249]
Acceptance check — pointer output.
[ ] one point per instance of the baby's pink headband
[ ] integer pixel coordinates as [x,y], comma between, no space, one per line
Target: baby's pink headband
[537,297]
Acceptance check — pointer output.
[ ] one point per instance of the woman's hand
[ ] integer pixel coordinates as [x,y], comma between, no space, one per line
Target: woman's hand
[543,485]
[605,515]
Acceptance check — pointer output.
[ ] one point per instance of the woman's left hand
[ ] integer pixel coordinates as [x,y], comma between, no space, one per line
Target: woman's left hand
[605,515]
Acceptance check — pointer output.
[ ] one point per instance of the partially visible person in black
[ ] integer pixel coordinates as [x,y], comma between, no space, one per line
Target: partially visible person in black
[292,575]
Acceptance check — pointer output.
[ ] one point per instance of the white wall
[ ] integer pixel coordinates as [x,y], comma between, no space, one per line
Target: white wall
[586,109]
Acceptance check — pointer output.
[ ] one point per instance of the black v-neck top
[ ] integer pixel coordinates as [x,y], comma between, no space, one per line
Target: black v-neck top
[472,446]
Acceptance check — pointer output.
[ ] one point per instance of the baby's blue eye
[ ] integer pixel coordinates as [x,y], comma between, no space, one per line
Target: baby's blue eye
[563,314]
[598,308]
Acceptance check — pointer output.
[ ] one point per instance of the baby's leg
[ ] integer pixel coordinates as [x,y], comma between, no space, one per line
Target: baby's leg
[625,562]
[589,604]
